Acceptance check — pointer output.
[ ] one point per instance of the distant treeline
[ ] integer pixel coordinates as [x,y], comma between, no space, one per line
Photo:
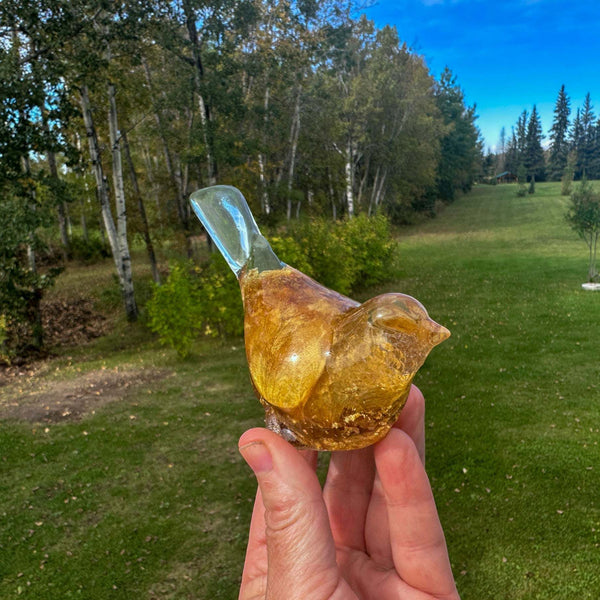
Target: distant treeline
[573,150]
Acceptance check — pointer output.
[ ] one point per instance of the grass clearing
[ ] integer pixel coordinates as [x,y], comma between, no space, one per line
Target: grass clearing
[146,496]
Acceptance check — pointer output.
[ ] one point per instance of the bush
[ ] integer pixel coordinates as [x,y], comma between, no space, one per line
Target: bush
[5,354]
[174,311]
[330,256]
[347,255]
[194,301]
[291,252]
[373,248]
[89,251]
[221,310]
[206,300]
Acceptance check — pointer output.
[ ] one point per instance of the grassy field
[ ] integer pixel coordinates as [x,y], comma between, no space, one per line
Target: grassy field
[119,469]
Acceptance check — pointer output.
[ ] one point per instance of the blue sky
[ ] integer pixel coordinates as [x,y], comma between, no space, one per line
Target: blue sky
[507,55]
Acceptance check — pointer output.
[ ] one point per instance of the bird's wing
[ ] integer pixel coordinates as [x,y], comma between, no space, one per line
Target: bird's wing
[286,367]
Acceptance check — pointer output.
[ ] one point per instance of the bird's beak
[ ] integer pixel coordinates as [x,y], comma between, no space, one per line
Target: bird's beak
[435,332]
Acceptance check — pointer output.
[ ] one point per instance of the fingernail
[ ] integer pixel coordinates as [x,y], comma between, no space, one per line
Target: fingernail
[258,457]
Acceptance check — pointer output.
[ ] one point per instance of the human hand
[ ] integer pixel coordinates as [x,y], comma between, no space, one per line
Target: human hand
[371,533]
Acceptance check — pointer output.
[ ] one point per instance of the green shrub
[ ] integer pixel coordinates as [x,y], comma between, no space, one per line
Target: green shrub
[348,255]
[329,255]
[221,310]
[206,300]
[5,354]
[373,248]
[89,251]
[194,301]
[291,252]
[174,311]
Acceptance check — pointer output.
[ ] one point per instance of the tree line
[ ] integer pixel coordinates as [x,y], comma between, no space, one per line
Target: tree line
[113,113]
[573,150]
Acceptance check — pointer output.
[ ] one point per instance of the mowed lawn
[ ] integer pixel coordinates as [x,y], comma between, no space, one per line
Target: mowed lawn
[142,494]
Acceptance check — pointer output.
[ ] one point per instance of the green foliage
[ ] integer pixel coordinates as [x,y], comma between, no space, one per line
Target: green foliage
[174,310]
[461,149]
[291,251]
[533,153]
[205,300]
[373,248]
[347,255]
[5,354]
[584,217]
[329,255]
[194,301]
[531,189]
[21,287]
[559,145]
[221,311]
[88,251]
[567,179]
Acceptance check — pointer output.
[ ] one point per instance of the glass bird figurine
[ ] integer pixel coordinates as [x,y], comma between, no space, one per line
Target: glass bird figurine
[332,374]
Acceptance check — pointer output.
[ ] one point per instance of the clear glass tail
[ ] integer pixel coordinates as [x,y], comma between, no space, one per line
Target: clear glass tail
[226,216]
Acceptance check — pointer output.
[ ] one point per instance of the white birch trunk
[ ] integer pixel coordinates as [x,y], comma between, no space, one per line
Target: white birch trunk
[266,205]
[264,198]
[295,131]
[379,196]
[121,208]
[374,192]
[102,187]
[212,175]
[349,175]
[142,210]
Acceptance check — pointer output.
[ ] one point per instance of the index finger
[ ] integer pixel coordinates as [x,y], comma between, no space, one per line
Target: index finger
[417,540]
[412,419]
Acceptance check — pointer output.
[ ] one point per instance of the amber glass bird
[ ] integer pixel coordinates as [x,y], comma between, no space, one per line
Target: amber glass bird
[332,374]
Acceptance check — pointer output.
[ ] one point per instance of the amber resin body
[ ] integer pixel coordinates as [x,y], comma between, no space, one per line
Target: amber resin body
[332,374]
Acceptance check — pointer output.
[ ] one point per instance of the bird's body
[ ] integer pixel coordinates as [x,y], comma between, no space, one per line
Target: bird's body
[331,373]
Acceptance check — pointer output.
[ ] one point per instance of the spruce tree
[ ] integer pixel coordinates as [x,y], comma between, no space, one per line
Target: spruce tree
[588,137]
[511,162]
[559,147]
[533,157]
[576,144]
[522,134]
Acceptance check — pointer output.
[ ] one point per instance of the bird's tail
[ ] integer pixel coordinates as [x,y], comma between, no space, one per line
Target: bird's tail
[226,216]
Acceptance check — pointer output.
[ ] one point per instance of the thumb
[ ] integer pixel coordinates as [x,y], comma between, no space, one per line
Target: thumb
[300,548]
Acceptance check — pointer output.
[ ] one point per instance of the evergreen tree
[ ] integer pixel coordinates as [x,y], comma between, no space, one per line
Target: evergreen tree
[511,163]
[522,134]
[533,156]
[588,131]
[576,144]
[461,149]
[559,147]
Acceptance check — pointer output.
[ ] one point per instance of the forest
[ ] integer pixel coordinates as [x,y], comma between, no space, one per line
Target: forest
[113,113]
[570,151]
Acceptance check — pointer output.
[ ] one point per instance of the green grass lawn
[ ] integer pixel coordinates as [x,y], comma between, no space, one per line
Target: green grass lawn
[146,497]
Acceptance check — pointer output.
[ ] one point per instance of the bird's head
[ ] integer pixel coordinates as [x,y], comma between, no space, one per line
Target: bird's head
[402,314]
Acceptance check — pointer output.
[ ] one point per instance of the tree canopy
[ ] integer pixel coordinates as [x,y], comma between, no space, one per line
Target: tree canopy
[111,114]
